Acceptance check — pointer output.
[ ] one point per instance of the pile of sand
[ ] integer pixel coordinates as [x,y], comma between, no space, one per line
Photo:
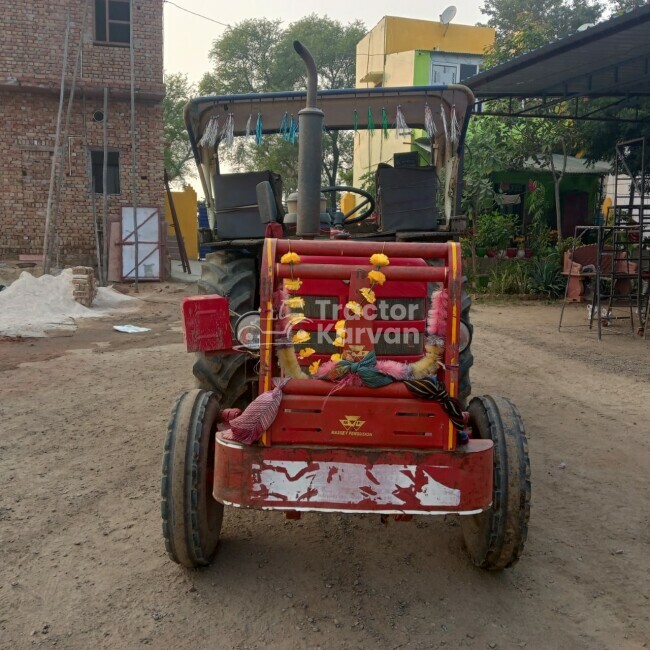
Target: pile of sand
[32,306]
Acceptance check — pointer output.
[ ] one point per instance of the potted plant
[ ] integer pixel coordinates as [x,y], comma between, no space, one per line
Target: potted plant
[494,231]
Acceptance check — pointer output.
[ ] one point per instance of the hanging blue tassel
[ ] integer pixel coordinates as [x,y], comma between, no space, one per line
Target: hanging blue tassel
[259,130]
[284,127]
[293,129]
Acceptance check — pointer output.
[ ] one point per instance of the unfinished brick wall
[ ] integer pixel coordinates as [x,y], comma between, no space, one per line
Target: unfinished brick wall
[30,69]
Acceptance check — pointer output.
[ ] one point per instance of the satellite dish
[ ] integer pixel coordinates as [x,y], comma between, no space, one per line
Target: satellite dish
[585,27]
[448,15]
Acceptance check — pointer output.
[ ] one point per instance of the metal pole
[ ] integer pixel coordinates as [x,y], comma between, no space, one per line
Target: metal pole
[91,194]
[66,129]
[48,233]
[185,263]
[104,188]
[134,189]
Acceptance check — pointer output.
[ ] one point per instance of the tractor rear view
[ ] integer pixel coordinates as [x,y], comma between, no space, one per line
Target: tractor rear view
[333,361]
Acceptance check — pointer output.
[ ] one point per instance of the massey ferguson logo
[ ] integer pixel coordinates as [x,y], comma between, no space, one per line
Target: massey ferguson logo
[352,422]
[352,427]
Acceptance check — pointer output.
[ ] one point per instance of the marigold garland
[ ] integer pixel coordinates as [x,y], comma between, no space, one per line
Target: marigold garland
[379,259]
[293,284]
[425,366]
[301,337]
[376,277]
[290,258]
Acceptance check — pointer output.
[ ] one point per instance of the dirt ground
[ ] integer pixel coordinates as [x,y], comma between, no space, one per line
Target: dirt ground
[82,561]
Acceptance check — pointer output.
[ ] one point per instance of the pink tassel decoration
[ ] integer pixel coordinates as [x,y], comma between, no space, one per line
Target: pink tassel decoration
[437,317]
[324,369]
[257,418]
[395,369]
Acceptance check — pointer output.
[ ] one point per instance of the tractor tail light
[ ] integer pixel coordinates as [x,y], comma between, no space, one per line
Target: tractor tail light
[248,331]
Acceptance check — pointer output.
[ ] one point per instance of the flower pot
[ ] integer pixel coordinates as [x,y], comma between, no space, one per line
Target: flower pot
[511,253]
[528,253]
[481,252]
[492,252]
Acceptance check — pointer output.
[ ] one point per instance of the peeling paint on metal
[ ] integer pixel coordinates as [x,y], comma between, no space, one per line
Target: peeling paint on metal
[349,483]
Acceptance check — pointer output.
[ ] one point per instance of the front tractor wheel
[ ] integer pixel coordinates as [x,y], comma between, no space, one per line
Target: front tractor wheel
[495,538]
[191,516]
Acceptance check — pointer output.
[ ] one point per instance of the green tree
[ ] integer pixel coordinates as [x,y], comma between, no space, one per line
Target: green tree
[555,18]
[488,149]
[258,56]
[178,152]
[244,59]
[540,140]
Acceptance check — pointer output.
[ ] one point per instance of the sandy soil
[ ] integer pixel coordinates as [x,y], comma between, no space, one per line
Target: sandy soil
[82,562]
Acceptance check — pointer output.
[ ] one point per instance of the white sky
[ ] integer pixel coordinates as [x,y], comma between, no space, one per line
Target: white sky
[188,38]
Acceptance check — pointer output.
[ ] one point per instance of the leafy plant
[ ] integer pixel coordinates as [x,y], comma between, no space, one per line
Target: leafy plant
[511,278]
[495,230]
[545,277]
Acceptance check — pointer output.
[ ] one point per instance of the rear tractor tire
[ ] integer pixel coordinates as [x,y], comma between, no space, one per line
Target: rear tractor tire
[191,516]
[466,359]
[232,274]
[495,538]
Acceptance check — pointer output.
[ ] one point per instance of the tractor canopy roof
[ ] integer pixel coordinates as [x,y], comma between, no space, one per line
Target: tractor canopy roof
[344,109]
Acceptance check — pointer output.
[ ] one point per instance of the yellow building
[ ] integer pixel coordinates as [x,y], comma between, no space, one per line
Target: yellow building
[410,52]
[186,211]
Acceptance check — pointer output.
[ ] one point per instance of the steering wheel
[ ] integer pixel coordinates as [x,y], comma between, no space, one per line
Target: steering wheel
[369,201]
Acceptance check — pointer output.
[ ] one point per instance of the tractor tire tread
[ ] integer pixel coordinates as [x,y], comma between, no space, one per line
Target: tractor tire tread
[510,511]
[181,479]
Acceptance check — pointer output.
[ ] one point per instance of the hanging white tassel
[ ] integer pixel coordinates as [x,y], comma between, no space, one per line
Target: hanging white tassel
[229,130]
[211,132]
[455,126]
[249,124]
[402,128]
[443,116]
[429,122]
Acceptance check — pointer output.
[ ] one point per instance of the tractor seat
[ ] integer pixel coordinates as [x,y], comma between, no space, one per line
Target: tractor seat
[236,206]
[407,198]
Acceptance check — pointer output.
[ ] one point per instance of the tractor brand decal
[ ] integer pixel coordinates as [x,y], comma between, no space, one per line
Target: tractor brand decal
[357,351]
[305,482]
[351,427]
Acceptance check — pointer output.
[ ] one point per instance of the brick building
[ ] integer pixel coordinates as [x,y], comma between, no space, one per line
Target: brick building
[31,59]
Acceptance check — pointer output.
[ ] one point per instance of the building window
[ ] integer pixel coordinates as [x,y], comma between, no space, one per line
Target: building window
[113,178]
[113,22]
[444,73]
[467,70]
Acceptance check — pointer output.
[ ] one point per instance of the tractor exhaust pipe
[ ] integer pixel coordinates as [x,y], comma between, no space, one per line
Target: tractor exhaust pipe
[310,152]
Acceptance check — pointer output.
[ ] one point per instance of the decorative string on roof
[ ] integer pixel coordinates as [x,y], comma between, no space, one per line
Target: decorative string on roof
[284,127]
[211,133]
[229,130]
[429,122]
[384,122]
[259,130]
[371,122]
[293,129]
[443,117]
[455,126]
[355,121]
[402,127]
[249,125]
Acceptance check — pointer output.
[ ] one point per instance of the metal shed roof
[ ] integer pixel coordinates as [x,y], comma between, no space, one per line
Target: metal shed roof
[611,59]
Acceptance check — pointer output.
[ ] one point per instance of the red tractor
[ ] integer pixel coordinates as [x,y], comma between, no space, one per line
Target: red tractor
[333,358]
